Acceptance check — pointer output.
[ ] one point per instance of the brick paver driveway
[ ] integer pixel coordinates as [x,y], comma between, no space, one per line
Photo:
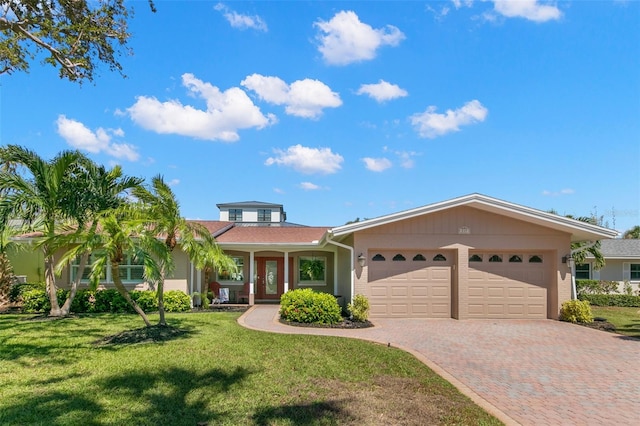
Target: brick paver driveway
[529,372]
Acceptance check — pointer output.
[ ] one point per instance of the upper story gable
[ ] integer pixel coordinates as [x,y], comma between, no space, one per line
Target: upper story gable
[252,212]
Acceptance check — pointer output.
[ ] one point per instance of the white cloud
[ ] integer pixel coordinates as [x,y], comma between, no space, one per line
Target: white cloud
[278,190]
[240,21]
[307,160]
[81,137]
[565,191]
[460,3]
[406,159]
[430,124]
[308,186]
[226,113]
[376,164]
[303,98]
[344,39]
[532,10]
[382,91]
[173,182]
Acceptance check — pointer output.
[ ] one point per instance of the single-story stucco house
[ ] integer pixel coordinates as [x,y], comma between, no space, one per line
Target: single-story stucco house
[622,264]
[469,257]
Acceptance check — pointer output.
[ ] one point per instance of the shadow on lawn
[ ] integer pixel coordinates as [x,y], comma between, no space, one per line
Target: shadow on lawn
[172,396]
[303,414]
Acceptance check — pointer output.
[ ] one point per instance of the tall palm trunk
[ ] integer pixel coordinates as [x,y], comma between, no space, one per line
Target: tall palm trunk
[50,280]
[162,321]
[6,279]
[117,281]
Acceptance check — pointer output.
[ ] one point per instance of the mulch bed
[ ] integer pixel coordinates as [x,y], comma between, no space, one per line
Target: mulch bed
[601,324]
[346,324]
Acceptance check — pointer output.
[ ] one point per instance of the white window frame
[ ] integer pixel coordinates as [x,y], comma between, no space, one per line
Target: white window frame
[311,283]
[107,278]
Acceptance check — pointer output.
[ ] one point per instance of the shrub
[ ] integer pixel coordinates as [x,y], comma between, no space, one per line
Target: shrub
[623,300]
[576,311]
[359,309]
[596,287]
[34,300]
[309,307]
[176,301]
[17,289]
[146,300]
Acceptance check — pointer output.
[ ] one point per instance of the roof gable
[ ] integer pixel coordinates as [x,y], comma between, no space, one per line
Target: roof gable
[580,231]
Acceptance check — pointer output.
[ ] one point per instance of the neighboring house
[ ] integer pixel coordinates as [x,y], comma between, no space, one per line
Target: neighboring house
[469,257]
[622,264]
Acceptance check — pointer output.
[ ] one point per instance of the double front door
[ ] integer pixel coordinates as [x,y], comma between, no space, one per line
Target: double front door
[269,277]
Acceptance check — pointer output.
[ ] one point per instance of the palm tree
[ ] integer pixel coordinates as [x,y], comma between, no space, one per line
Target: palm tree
[633,233]
[580,250]
[162,211]
[117,236]
[91,191]
[39,197]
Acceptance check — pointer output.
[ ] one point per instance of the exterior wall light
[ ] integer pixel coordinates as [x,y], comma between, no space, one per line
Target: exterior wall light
[362,260]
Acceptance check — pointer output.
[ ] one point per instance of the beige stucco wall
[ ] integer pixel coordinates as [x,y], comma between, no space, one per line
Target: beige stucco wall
[486,231]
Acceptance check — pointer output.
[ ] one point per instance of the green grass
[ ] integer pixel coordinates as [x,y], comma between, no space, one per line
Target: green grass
[626,320]
[211,371]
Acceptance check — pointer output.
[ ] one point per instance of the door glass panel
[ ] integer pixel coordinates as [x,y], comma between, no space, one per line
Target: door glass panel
[271,277]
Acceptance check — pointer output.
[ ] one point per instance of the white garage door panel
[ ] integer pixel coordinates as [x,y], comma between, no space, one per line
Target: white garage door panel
[507,290]
[410,288]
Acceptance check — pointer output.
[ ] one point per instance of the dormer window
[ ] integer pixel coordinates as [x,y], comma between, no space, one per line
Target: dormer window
[235,215]
[264,215]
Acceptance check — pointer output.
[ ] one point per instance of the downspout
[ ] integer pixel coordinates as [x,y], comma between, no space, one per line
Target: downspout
[574,288]
[352,269]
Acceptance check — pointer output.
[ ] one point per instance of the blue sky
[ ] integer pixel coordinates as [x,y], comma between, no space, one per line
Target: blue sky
[340,110]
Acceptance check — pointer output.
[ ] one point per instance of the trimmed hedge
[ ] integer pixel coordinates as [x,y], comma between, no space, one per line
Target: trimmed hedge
[596,287]
[624,300]
[88,301]
[308,307]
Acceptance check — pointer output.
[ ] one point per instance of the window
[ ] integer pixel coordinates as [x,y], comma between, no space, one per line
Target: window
[515,259]
[419,257]
[233,276]
[378,258]
[475,258]
[399,258]
[235,215]
[535,259]
[311,270]
[583,271]
[264,215]
[634,271]
[87,269]
[439,258]
[130,271]
[495,258]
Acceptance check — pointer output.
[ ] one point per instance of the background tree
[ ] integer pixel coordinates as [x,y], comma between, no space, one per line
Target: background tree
[633,233]
[161,209]
[40,198]
[76,35]
[580,250]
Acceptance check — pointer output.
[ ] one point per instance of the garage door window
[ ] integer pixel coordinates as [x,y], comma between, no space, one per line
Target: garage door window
[515,259]
[419,258]
[475,258]
[399,258]
[495,258]
[378,258]
[535,259]
[439,258]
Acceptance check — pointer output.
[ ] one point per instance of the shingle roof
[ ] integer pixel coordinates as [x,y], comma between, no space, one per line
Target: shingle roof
[620,248]
[272,235]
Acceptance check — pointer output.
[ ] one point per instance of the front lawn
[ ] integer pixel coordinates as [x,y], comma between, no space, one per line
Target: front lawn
[626,320]
[210,370]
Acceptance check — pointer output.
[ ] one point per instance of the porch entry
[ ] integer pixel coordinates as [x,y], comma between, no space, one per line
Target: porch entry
[269,278]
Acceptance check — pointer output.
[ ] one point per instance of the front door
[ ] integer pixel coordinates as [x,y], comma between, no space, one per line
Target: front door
[269,277]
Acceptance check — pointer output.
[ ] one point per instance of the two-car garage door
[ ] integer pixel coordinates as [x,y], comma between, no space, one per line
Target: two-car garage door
[413,284]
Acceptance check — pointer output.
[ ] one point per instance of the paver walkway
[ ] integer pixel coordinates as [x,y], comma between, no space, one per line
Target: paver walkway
[528,372]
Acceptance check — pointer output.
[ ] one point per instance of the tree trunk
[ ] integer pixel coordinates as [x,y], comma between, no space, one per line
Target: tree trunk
[160,290]
[6,279]
[50,280]
[66,308]
[117,281]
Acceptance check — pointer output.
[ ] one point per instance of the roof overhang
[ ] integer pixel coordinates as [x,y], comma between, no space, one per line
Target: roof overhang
[580,231]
